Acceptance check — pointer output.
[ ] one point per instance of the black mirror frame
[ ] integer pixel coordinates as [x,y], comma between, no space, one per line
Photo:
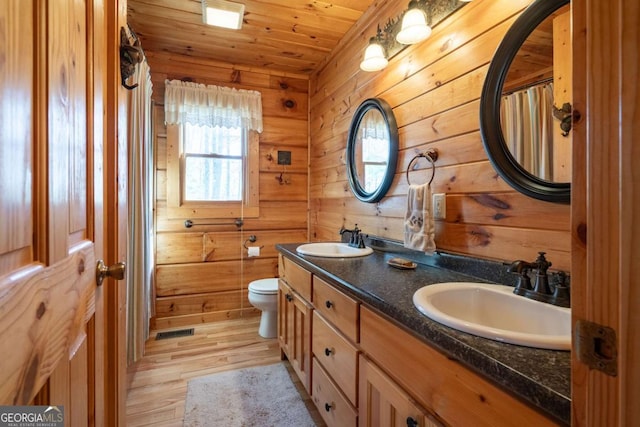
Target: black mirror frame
[390,120]
[490,127]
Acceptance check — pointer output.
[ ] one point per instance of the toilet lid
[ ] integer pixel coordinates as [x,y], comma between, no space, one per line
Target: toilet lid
[264,286]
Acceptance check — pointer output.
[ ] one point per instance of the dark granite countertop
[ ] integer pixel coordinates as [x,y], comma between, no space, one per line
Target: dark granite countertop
[539,377]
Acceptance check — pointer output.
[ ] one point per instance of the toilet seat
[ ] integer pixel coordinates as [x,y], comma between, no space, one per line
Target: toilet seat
[264,286]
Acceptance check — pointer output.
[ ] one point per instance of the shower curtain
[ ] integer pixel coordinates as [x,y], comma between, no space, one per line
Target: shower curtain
[527,119]
[140,253]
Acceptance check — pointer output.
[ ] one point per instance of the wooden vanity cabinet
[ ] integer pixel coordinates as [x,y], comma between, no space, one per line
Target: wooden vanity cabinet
[452,392]
[295,318]
[361,368]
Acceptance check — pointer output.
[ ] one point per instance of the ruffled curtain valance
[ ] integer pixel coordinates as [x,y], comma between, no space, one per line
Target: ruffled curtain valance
[374,126]
[208,105]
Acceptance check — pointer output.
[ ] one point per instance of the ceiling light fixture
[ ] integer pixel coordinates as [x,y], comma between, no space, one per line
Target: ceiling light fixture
[222,13]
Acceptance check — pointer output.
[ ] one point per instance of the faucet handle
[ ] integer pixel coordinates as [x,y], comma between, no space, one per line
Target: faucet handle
[521,268]
[561,292]
[541,263]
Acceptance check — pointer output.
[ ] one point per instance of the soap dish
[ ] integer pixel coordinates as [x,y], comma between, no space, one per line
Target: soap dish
[402,264]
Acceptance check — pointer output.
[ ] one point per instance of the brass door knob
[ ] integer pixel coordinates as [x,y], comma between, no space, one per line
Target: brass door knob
[115,271]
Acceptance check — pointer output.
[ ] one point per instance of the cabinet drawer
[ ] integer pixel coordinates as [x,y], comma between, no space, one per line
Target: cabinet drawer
[334,408]
[297,277]
[336,307]
[337,355]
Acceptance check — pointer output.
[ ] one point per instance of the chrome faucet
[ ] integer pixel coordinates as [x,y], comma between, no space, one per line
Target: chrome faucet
[356,240]
[541,291]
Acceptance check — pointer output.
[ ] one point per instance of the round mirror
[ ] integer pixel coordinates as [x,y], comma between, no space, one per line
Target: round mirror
[522,122]
[372,150]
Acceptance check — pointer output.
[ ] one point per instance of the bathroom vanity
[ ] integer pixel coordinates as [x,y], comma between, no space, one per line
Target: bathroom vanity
[368,357]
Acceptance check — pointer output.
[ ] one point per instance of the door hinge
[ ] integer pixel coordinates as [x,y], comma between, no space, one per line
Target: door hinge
[597,346]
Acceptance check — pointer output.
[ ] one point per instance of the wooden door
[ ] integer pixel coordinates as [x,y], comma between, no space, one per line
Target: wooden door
[605,211]
[53,316]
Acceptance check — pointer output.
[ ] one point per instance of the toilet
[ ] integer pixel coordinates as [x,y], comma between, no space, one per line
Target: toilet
[263,295]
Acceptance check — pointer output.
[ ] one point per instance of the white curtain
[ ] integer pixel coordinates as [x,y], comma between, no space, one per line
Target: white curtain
[527,120]
[140,256]
[207,105]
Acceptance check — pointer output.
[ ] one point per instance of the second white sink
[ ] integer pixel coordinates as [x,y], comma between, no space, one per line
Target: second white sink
[332,250]
[494,312]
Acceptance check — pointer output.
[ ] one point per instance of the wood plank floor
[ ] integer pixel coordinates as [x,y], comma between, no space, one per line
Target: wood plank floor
[158,383]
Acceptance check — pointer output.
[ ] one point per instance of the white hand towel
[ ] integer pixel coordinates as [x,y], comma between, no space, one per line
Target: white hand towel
[419,230]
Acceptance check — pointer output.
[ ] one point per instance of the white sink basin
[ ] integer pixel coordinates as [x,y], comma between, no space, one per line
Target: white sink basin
[332,250]
[494,312]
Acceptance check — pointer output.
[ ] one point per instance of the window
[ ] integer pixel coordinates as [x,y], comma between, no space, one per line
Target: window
[212,176]
[212,163]
[212,150]
[375,155]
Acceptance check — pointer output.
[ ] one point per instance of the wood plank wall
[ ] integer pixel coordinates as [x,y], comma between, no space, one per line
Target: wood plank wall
[434,88]
[202,273]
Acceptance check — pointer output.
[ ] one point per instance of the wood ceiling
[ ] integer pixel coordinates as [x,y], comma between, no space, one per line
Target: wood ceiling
[534,60]
[291,36]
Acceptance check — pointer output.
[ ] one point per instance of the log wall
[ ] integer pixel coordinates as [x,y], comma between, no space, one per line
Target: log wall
[434,89]
[202,272]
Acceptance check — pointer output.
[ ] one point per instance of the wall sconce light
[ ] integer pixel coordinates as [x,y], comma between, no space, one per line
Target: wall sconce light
[375,58]
[412,26]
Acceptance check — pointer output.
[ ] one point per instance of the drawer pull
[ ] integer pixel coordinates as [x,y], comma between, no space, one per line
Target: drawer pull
[328,351]
[328,407]
[329,304]
[289,297]
[411,422]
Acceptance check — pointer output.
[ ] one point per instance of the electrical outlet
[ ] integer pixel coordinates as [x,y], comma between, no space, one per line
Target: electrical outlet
[439,206]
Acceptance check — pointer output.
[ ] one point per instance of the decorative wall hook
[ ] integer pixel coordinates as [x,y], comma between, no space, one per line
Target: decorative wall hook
[130,55]
[565,115]
[282,179]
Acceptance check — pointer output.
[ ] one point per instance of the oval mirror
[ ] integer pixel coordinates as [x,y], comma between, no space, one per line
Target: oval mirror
[372,150]
[520,121]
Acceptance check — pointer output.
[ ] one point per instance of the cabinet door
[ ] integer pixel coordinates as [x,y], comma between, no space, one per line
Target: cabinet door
[294,331]
[285,312]
[383,403]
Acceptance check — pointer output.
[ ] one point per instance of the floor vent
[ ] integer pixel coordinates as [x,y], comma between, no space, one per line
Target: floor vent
[174,334]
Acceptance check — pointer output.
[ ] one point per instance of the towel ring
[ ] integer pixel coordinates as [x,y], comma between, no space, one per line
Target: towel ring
[432,156]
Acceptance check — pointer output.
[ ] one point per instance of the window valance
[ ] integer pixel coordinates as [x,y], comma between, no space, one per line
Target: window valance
[208,105]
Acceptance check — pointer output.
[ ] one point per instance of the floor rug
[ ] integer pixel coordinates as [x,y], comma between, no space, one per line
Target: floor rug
[259,396]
